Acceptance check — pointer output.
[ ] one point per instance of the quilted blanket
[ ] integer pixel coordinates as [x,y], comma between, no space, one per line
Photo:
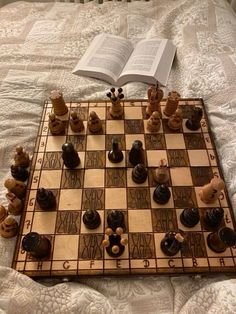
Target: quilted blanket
[40,43]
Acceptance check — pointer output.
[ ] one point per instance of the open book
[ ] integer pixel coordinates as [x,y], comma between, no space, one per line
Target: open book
[114,59]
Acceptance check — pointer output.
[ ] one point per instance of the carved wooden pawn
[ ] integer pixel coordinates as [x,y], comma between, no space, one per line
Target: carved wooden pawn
[15,206]
[3,213]
[171,103]
[58,103]
[154,122]
[9,227]
[94,123]
[176,120]
[56,126]
[16,187]
[161,174]
[76,123]
[211,191]
[21,157]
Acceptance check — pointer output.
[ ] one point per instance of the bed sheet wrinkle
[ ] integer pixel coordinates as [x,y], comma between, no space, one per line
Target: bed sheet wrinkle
[40,43]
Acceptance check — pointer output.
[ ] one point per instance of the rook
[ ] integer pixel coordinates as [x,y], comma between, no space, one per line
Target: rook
[58,103]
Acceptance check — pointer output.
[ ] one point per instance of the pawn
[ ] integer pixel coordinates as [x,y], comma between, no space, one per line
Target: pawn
[190,217]
[45,199]
[3,213]
[115,219]
[194,123]
[21,157]
[19,173]
[213,218]
[154,122]
[70,156]
[171,103]
[9,227]
[139,173]
[175,121]
[16,187]
[136,154]
[161,194]
[38,246]
[115,155]
[76,123]
[172,243]
[94,123]
[56,126]
[15,206]
[91,219]
[58,102]
[161,174]
[211,191]
[220,240]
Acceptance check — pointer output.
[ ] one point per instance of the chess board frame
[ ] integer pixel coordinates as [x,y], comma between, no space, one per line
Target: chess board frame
[77,251]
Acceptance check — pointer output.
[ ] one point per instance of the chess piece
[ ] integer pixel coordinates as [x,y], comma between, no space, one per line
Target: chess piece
[194,122]
[155,95]
[220,240]
[175,121]
[76,123]
[115,244]
[136,154]
[16,187]
[94,123]
[3,213]
[70,156]
[161,194]
[115,219]
[116,110]
[58,103]
[15,206]
[21,157]
[45,199]
[154,122]
[91,219]
[19,173]
[115,155]
[36,245]
[161,174]
[139,173]
[190,217]
[171,103]
[171,243]
[211,191]
[213,218]
[56,126]
[9,227]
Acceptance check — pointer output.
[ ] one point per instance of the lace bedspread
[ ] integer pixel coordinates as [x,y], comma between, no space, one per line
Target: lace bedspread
[40,43]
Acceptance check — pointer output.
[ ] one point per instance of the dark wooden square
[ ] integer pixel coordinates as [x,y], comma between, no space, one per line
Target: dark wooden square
[52,160]
[93,199]
[141,246]
[164,220]
[194,141]
[194,246]
[72,179]
[79,141]
[184,196]
[95,159]
[201,175]
[68,222]
[90,247]
[115,177]
[134,126]
[138,198]
[177,158]
[155,141]
[119,137]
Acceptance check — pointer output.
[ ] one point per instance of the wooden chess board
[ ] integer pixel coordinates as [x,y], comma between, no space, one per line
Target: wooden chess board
[101,185]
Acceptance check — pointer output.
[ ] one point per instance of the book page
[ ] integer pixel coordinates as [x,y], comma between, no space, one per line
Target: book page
[107,54]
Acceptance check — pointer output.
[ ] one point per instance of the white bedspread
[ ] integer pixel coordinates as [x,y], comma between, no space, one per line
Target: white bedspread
[40,43]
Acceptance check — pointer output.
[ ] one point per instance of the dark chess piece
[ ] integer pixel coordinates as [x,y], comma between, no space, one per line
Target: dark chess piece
[115,219]
[136,154]
[91,219]
[193,123]
[161,194]
[139,173]
[70,156]
[213,218]
[115,155]
[115,244]
[220,240]
[19,173]
[45,199]
[190,217]
[171,243]
[37,245]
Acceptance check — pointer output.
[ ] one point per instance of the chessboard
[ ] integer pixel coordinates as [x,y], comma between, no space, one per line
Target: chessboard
[104,186]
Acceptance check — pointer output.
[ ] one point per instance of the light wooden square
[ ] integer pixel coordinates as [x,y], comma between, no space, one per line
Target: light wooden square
[115,198]
[50,179]
[140,220]
[169,204]
[95,142]
[198,157]
[115,127]
[44,222]
[66,247]
[94,178]
[130,138]
[133,112]
[175,141]
[70,199]
[154,157]
[54,143]
[181,176]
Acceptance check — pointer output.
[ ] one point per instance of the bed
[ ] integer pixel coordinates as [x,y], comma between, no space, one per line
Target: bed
[40,44]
